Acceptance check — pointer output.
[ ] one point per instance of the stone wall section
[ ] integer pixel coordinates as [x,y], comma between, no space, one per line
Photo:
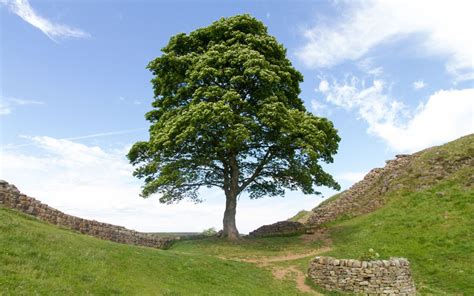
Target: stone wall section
[279,229]
[10,197]
[422,172]
[364,196]
[380,277]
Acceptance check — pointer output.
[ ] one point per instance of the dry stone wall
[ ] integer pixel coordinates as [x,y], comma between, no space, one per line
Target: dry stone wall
[10,197]
[412,172]
[363,196]
[279,228]
[380,277]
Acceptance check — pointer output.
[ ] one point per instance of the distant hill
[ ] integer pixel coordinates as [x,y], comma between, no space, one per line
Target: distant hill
[419,206]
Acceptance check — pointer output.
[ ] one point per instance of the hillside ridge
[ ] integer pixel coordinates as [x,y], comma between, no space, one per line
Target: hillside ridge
[406,172]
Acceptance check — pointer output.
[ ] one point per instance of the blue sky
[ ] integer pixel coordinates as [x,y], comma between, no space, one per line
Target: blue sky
[394,77]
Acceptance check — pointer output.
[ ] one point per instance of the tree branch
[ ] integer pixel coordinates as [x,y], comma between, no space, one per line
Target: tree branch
[258,170]
[200,184]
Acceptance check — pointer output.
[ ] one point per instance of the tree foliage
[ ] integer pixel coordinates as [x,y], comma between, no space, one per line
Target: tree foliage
[227,113]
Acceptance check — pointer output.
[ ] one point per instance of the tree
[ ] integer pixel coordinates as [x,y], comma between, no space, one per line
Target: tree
[227,114]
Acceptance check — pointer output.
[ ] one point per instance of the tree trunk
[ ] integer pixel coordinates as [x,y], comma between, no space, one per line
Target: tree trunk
[230,229]
[232,190]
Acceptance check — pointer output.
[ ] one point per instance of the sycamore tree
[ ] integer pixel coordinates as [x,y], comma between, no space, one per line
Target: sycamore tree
[227,114]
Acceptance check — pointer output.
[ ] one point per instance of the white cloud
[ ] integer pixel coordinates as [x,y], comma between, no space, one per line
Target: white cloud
[23,9]
[367,65]
[323,85]
[91,136]
[320,108]
[4,109]
[443,27]
[351,177]
[90,182]
[370,101]
[22,102]
[447,115]
[419,84]
[129,101]
[8,104]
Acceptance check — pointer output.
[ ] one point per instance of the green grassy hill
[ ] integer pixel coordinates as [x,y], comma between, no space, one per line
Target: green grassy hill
[433,228]
[40,259]
[427,217]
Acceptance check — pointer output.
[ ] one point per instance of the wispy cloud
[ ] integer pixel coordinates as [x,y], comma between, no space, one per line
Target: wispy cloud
[319,108]
[367,66]
[125,100]
[419,84]
[7,104]
[447,115]
[23,9]
[443,28]
[91,136]
[4,109]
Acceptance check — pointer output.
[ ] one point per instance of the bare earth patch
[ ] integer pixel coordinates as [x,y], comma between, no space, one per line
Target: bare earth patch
[264,261]
[292,272]
[299,277]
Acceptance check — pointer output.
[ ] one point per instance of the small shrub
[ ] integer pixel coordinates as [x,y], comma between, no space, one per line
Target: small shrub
[370,255]
[209,232]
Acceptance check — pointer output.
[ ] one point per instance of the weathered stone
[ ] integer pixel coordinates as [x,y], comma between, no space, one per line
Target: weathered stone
[366,195]
[279,228]
[387,277]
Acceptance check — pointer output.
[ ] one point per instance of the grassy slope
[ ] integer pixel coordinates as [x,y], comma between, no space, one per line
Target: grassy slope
[432,227]
[247,248]
[303,215]
[37,258]
[434,232]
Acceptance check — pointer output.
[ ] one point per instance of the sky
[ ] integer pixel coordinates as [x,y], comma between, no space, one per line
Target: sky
[394,77]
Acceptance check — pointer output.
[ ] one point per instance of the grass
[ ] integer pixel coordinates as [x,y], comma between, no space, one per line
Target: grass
[37,258]
[433,228]
[247,247]
[301,216]
[331,199]
[429,219]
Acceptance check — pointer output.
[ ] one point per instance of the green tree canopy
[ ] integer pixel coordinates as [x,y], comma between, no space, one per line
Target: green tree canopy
[227,114]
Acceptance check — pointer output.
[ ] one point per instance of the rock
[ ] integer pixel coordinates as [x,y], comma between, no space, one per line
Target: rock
[387,277]
[281,228]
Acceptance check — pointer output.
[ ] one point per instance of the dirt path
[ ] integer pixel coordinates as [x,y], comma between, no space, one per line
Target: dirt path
[281,272]
[299,277]
[292,271]
[287,257]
